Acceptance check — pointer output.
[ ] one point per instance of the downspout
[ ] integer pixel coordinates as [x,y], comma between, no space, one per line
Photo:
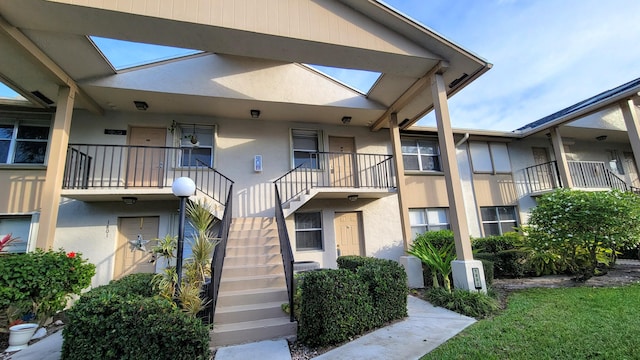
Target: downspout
[462,141]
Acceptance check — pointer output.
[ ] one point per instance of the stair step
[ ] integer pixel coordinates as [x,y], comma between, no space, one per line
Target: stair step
[252,233]
[252,270]
[251,312]
[266,259]
[253,241]
[253,250]
[252,296]
[250,331]
[251,282]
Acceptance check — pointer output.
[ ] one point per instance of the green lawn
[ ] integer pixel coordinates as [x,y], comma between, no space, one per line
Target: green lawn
[568,323]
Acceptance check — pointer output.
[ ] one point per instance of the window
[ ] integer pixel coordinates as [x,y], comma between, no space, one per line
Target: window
[305,145]
[23,141]
[423,220]
[308,231]
[197,145]
[497,220]
[421,155]
[18,227]
[489,157]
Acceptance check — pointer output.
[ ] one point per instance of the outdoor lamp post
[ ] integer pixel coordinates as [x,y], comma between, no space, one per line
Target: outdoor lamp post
[183,188]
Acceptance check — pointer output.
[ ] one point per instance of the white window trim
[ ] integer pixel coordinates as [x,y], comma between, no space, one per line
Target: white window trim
[178,137]
[292,150]
[40,120]
[296,230]
[491,158]
[428,225]
[499,222]
[438,156]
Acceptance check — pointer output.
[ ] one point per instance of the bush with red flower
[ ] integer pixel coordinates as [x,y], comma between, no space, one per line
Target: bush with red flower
[41,282]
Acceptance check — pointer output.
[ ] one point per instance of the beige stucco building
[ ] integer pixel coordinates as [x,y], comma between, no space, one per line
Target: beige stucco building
[283,153]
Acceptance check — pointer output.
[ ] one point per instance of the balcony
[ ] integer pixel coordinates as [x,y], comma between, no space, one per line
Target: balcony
[109,172]
[337,175]
[587,175]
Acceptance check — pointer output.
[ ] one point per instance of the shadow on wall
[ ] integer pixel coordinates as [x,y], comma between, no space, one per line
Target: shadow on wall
[24,192]
[390,252]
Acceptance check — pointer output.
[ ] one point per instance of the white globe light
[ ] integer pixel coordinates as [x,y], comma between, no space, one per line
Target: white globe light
[183,187]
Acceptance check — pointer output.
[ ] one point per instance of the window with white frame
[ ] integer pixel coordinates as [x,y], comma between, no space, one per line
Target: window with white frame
[308,231]
[428,219]
[305,145]
[421,155]
[18,226]
[23,140]
[489,157]
[197,144]
[497,220]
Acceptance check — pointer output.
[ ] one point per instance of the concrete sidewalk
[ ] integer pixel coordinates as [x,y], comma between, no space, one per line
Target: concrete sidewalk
[423,330]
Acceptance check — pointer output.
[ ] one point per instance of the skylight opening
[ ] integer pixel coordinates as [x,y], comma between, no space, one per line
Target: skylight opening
[127,54]
[360,80]
[7,93]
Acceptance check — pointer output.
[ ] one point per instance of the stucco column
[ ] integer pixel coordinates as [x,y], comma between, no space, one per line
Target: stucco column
[55,168]
[632,121]
[561,158]
[467,273]
[396,144]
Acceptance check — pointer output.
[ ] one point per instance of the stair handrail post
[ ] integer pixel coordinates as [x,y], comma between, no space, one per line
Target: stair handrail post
[219,253]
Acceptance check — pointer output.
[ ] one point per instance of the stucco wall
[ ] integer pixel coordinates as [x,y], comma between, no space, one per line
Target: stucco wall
[21,189]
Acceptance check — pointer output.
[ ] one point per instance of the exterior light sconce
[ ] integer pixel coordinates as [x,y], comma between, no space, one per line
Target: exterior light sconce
[182,187]
[346,120]
[601,137]
[255,113]
[141,105]
[352,198]
[129,200]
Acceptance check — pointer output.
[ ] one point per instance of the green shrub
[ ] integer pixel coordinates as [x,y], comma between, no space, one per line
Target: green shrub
[505,251]
[43,279]
[469,303]
[336,306]
[387,283]
[437,254]
[439,239]
[353,262]
[487,267]
[106,324]
[585,227]
[135,284]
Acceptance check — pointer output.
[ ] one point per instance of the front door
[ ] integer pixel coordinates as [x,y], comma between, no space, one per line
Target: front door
[630,164]
[342,162]
[146,157]
[136,236]
[544,176]
[348,234]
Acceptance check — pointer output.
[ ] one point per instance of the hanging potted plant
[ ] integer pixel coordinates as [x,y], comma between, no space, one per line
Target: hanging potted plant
[193,138]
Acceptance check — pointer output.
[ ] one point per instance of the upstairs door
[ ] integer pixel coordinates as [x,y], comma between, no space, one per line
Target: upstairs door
[342,162]
[630,164]
[348,234]
[146,157]
[135,237]
[545,174]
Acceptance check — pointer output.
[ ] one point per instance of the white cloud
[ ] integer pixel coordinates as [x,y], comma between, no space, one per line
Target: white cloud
[547,55]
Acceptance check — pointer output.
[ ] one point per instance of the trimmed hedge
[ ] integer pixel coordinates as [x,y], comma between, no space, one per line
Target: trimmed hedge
[336,305]
[505,253]
[135,284]
[109,323]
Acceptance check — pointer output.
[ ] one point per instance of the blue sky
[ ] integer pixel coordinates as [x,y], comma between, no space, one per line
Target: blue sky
[546,54]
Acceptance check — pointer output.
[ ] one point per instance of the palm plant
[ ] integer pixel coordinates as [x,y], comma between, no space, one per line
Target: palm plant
[437,260]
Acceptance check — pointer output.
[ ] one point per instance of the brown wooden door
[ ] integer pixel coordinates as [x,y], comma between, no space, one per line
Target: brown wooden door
[129,259]
[342,162]
[348,234]
[146,157]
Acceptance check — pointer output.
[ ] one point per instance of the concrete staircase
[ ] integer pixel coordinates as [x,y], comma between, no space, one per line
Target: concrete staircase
[253,287]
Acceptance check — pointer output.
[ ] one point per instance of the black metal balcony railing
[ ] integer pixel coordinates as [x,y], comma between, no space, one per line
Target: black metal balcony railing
[336,169]
[90,166]
[584,175]
[543,177]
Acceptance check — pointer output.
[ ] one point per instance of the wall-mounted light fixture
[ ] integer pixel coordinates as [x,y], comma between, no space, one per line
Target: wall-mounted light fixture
[141,105]
[255,113]
[346,119]
[601,137]
[352,197]
[129,200]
